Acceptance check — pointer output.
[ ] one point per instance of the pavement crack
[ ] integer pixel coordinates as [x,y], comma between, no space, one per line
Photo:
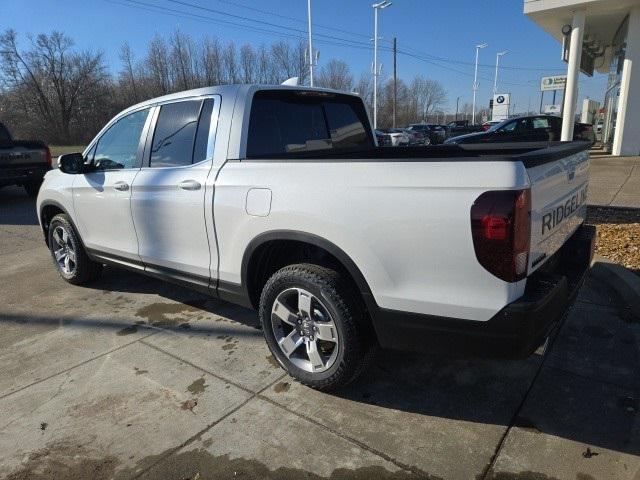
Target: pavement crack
[108,352]
[199,434]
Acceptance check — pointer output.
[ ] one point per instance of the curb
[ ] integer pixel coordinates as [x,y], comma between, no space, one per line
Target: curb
[625,283]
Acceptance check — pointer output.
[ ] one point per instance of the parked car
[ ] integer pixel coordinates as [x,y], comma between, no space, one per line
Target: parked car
[398,136]
[22,162]
[487,125]
[535,128]
[340,245]
[434,133]
[382,138]
[415,137]
[461,127]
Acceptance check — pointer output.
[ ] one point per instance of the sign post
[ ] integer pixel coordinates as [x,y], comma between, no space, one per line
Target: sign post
[501,102]
[554,82]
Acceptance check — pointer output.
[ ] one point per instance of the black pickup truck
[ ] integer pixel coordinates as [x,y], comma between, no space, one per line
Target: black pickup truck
[22,162]
[461,127]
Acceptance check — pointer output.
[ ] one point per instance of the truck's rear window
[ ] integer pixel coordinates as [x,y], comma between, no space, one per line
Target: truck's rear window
[286,122]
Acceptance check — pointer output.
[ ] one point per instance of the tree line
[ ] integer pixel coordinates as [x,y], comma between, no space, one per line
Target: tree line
[52,91]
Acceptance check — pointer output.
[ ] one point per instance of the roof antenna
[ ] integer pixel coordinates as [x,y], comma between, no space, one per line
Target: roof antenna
[293,81]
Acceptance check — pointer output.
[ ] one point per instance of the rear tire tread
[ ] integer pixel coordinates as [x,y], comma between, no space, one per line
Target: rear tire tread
[360,349]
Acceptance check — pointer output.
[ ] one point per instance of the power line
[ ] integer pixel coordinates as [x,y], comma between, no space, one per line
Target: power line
[298,20]
[299,34]
[330,37]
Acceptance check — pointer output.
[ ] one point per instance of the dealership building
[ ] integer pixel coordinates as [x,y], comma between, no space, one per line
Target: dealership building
[601,36]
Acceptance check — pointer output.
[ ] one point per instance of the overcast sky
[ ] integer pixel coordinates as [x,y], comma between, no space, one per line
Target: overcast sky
[436,38]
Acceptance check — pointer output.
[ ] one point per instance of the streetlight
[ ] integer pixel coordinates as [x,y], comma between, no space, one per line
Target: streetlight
[495,78]
[376,7]
[310,44]
[475,84]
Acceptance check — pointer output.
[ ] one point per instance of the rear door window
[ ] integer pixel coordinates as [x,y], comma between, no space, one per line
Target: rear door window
[283,123]
[181,134]
[540,123]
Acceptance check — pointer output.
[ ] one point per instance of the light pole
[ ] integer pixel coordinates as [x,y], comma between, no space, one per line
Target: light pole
[475,84]
[495,78]
[457,102]
[376,7]
[310,44]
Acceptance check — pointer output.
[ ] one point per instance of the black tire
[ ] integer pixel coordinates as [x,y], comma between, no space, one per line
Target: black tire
[84,269]
[32,188]
[356,345]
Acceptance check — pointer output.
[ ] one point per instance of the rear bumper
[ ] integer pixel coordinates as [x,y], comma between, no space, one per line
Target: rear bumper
[516,330]
[22,174]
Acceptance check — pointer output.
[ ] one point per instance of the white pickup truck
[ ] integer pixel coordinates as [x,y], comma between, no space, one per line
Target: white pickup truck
[278,199]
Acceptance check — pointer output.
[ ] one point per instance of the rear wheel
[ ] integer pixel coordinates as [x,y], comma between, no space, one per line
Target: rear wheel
[427,141]
[315,326]
[68,254]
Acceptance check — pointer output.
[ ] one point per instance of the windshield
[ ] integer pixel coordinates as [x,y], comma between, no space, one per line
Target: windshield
[497,126]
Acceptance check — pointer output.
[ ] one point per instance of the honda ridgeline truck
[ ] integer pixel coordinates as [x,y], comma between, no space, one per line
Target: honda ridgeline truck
[278,199]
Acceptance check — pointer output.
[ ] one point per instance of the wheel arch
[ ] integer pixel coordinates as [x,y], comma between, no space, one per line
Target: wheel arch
[47,210]
[257,245]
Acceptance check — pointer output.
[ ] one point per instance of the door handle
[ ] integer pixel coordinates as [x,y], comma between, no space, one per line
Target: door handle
[121,186]
[189,185]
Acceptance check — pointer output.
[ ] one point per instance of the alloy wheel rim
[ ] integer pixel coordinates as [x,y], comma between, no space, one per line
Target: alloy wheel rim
[304,330]
[64,251]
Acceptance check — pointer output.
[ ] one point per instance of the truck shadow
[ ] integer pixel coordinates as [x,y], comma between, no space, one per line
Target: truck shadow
[16,208]
[584,389]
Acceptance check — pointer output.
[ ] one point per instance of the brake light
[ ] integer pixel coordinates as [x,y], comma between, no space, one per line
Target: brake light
[49,159]
[501,231]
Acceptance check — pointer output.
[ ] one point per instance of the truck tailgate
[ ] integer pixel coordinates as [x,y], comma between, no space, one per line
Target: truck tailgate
[558,198]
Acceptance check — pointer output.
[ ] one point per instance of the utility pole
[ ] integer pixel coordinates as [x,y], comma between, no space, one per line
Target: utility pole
[376,7]
[495,78]
[457,102]
[475,84]
[310,44]
[395,81]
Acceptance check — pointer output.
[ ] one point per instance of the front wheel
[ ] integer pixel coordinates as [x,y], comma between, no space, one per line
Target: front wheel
[427,141]
[315,326]
[68,253]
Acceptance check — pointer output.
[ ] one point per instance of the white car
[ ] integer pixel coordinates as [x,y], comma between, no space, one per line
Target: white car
[398,137]
[277,198]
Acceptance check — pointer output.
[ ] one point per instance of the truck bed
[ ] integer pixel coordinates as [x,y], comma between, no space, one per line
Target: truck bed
[530,154]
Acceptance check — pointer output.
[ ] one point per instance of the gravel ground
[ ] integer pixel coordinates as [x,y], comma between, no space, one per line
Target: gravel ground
[618,234]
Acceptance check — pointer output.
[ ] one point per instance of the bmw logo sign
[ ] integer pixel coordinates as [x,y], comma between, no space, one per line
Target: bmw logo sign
[548,81]
[500,99]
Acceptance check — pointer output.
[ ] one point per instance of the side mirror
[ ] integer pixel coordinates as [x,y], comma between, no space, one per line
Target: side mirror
[71,163]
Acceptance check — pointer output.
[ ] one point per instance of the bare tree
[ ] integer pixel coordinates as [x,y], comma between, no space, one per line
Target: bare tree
[183,61]
[230,64]
[336,75]
[211,62]
[52,79]
[248,64]
[428,95]
[157,63]
[128,78]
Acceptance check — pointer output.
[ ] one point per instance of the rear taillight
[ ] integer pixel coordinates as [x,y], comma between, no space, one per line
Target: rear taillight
[49,159]
[501,230]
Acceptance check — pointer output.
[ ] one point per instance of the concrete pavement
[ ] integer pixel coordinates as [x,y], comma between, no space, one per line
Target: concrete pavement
[134,378]
[614,181]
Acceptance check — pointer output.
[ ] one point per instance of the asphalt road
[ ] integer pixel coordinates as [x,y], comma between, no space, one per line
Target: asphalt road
[134,378]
